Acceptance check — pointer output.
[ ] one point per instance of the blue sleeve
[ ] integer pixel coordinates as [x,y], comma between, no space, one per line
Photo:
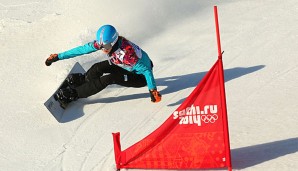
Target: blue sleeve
[143,66]
[150,79]
[80,50]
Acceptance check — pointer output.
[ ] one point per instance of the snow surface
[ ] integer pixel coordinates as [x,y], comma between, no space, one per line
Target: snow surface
[260,41]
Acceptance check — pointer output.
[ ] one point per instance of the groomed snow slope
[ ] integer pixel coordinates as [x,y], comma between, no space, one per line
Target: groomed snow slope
[261,65]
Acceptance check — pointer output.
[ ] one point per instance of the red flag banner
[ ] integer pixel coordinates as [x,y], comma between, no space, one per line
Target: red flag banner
[194,136]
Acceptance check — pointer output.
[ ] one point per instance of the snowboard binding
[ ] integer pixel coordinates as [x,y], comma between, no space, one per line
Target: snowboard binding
[66,95]
[75,80]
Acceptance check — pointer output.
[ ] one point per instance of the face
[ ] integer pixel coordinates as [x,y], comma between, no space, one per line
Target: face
[105,48]
[106,51]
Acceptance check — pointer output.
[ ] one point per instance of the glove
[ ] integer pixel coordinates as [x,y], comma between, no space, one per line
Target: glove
[155,96]
[51,59]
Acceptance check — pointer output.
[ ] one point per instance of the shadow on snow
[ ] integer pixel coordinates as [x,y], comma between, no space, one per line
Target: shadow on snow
[173,84]
[253,155]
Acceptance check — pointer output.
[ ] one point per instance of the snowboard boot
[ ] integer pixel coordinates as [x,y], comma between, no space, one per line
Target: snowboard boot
[75,80]
[65,96]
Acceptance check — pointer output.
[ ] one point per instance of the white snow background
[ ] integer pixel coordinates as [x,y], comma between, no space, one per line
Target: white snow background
[260,40]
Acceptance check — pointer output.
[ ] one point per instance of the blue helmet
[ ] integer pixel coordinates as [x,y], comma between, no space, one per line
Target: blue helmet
[106,36]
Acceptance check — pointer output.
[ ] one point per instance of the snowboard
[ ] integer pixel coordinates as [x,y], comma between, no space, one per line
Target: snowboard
[52,104]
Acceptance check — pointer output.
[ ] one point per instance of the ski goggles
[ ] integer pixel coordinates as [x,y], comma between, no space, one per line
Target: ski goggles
[104,46]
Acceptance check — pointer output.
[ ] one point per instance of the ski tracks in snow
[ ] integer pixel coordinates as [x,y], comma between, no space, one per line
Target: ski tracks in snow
[84,146]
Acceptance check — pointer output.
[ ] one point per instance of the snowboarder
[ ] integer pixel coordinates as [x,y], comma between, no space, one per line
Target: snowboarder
[127,65]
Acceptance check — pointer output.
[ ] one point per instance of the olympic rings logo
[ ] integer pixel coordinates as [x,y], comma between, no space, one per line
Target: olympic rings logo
[209,118]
